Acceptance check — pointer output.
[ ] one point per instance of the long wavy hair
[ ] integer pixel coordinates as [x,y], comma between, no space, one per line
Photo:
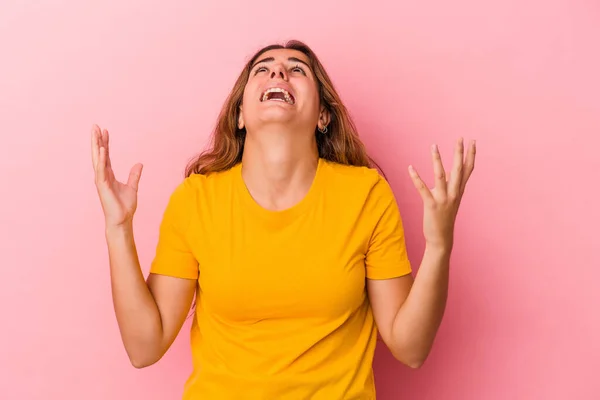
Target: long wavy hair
[341,143]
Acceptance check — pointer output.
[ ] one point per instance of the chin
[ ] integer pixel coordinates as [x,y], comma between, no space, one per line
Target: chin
[276,114]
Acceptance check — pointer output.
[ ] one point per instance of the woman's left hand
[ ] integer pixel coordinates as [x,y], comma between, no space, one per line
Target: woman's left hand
[442,202]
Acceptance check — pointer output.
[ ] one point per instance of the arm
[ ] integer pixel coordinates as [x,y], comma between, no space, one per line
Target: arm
[409,312]
[149,314]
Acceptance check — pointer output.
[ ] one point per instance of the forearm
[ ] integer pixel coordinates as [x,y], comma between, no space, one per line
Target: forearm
[418,319]
[136,311]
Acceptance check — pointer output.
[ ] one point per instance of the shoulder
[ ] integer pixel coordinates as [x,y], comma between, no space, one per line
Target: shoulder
[199,188]
[357,180]
[198,183]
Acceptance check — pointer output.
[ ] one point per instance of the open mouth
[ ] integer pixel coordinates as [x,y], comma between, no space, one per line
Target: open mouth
[278,94]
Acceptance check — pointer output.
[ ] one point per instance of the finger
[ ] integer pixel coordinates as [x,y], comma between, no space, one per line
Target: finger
[454,184]
[469,166]
[95,146]
[438,170]
[101,167]
[134,176]
[105,143]
[420,185]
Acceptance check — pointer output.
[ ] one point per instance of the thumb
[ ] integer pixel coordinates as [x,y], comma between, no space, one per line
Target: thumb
[134,176]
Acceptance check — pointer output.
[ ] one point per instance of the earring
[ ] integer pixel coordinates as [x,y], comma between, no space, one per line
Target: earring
[324,130]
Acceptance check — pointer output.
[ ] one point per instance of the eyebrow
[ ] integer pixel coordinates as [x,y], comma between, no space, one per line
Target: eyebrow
[271,59]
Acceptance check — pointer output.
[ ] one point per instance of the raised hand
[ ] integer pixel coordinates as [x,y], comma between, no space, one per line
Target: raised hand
[442,202]
[119,200]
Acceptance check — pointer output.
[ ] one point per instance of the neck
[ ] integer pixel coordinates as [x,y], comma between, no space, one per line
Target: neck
[279,168]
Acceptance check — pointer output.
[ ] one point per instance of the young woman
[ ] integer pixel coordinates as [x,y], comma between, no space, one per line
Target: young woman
[291,243]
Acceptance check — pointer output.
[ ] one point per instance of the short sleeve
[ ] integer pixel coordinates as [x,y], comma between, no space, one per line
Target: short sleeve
[174,256]
[386,254]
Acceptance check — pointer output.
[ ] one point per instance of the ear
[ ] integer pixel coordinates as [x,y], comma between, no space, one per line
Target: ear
[324,118]
[240,119]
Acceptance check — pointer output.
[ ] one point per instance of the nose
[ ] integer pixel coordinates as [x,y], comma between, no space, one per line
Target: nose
[278,71]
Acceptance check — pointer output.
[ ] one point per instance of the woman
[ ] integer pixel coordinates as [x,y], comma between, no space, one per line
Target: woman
[291,242]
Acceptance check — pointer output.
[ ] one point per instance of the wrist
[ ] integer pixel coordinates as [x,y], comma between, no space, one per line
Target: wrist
[124,229]
[439,250]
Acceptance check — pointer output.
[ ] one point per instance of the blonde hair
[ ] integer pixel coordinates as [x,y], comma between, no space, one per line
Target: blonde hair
[340,144]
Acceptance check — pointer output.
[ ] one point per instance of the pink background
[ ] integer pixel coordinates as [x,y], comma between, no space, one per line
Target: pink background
[522,77]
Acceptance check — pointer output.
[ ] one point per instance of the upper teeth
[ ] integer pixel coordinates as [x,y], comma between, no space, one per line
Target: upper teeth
[286,95]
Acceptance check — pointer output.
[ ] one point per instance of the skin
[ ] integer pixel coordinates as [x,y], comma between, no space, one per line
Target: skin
[280,153]
[408,311]
[149,313]
[279,163]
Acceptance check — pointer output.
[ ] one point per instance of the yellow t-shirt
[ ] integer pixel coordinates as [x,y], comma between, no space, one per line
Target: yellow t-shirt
[282,310]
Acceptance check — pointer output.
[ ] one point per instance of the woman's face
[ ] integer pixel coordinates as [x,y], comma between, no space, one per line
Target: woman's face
[281,89]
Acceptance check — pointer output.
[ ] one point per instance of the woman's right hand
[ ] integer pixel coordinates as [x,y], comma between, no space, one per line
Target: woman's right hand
[119,200]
